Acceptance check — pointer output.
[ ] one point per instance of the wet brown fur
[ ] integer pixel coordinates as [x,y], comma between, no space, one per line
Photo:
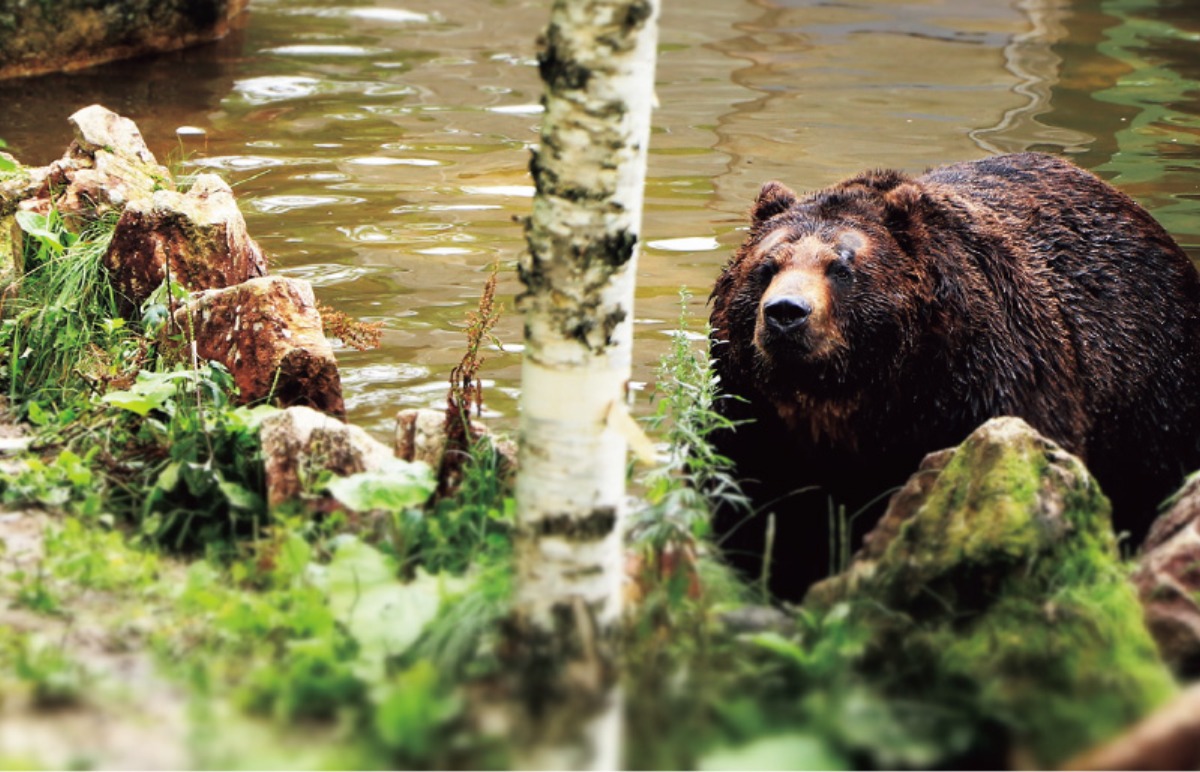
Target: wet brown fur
[1016,285]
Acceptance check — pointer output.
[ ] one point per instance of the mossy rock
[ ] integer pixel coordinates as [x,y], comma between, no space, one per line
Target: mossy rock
[993,587]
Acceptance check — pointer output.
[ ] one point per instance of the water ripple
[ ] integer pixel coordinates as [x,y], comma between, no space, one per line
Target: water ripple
[324,274]
[517,109]
[385,15]
[287,203]
[280,88]
[686,244]
[523,191]
[324,49]
[242,162]
[382,160]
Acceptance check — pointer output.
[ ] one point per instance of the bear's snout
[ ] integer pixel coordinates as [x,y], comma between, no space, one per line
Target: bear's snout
[794,320]
[787,314]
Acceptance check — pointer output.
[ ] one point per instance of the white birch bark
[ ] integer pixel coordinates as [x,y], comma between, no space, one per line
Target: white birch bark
[598,66]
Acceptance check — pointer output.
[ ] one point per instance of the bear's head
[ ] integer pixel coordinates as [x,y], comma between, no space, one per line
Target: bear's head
[824,297]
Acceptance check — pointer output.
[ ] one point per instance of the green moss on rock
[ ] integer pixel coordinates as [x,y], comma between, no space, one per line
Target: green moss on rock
[999,592]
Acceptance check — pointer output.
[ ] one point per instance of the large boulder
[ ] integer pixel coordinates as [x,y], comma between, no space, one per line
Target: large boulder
[40,37]
[1168,581]
[197,239]
[268,333]
[991,594]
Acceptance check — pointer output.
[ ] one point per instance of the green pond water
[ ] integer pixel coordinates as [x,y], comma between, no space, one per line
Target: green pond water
[379,149]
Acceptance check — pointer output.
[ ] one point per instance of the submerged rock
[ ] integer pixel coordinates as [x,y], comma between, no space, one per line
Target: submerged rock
[40,37]
[299,443]
[268,333]
[991,591]
[1168,581]
[198,239]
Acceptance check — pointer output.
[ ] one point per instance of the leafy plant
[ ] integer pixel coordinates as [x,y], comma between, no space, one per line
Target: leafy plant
[54,678]
[676,515]
[5,164]
[66,308]
[192,458]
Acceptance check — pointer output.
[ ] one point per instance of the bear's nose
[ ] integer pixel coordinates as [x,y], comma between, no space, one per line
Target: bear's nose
[786,314]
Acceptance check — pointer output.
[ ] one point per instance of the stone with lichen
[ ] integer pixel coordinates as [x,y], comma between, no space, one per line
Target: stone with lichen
[299,442]
[992,589]
[1168,580]
[268,333]
[197,240]
[421,436]
[106,167]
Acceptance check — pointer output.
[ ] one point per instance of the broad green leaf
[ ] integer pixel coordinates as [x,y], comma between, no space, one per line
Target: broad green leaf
[37,416]
[200,478]
[151,391]
[777,644]
[168,478]
[110,326]
[239,496]
[790,751]
[250,418]
[38,226]
[384,615]
[394,488]
[128,400]
[294,556]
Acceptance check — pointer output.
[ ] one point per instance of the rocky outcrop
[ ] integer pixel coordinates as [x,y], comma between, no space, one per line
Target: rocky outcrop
[197,239]
[992,588]
[40,37]
[106,167]
[267,332]
[1168,581]
[299,443]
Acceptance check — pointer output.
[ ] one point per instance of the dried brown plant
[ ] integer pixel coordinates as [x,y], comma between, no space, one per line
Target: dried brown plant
[357,334]
[466,389]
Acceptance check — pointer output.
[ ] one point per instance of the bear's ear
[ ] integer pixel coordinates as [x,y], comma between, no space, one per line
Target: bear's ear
[774,198]
[902,213]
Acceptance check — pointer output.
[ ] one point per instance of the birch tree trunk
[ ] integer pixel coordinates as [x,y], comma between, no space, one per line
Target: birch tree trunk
[598,67]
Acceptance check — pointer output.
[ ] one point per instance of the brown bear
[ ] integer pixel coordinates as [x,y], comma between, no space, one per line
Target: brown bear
[862,326]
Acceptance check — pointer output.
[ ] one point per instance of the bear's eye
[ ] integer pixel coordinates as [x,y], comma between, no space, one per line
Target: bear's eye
[839,270]
[764,271]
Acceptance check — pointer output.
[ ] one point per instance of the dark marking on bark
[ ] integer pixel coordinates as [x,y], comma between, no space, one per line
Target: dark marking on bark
[611,321]
[624,37]
[558,68]
[615,250]
[593,526]
[545,664]
[635,16]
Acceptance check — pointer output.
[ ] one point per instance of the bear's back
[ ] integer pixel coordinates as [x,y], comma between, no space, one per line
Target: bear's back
[1078,250]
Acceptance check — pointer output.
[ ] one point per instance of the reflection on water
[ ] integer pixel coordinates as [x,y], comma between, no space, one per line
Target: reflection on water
[379,147]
